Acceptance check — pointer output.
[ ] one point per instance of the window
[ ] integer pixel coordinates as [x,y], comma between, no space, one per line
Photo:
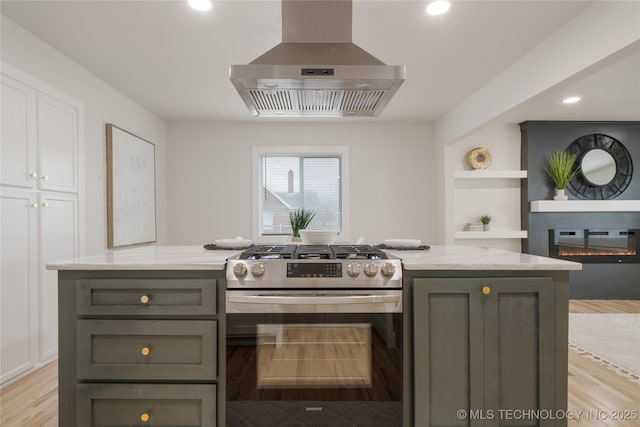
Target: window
[301,177]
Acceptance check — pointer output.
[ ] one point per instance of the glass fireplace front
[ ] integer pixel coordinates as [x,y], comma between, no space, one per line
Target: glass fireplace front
[594,246]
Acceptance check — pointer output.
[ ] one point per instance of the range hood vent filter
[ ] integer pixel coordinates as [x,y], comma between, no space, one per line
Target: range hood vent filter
[325,103]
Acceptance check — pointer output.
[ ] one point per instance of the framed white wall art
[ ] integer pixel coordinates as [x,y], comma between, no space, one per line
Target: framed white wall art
[131,189]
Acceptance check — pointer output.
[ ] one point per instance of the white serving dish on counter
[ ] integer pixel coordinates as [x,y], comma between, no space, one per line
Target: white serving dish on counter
[402,243]
[237,243]
[318,237]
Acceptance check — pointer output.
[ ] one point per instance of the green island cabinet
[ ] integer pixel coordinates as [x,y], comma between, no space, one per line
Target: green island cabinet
[486,348]
[141,348]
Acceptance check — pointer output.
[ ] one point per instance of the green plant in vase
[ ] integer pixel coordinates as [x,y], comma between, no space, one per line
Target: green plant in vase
[561,168]
[300,219]
[485,220]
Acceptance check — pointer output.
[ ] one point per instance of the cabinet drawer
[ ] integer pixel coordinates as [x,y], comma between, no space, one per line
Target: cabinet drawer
[147,349]
[163,405]
[146,297]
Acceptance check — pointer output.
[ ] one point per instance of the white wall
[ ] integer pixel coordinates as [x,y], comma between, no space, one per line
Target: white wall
[392,172]
[102,104]
[470,198]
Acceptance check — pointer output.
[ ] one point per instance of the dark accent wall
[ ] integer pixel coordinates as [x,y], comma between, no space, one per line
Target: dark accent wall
[539,138]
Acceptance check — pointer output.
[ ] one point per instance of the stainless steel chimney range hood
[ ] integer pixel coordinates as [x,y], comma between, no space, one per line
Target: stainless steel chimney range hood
[316,71]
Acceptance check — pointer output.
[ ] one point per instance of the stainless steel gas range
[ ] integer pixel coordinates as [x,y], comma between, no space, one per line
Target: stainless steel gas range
[314,337]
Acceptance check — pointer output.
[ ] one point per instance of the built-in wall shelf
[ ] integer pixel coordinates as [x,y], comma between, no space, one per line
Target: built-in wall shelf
[492,234]
[585,206]
[488,174]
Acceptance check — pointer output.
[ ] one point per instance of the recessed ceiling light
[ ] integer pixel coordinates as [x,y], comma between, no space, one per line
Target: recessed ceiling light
[438,7]
[201,5]
[571,100]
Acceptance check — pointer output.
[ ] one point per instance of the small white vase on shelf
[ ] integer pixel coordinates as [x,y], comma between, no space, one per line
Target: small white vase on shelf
[560,194]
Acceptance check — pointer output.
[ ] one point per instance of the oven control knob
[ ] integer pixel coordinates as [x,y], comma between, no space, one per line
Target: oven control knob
[388,269]
[257,270]
[354,270]
[240,270]
[371,269]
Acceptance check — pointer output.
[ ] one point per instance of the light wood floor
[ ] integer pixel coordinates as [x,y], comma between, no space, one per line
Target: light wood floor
[31,401]
[593,389]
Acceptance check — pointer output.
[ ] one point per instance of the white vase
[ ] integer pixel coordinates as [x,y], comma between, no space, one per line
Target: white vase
[560,194]
[485,227]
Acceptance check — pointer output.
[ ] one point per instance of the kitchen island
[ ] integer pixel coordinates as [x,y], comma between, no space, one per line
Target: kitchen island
[142,336]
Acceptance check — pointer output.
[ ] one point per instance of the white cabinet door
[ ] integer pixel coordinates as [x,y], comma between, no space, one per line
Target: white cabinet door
[57,144]
[17,155]
[18,282]
[58,241]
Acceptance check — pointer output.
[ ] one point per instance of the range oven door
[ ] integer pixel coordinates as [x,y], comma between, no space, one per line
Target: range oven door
[314,358]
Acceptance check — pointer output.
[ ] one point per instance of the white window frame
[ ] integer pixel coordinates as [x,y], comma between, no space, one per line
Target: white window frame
[295,150]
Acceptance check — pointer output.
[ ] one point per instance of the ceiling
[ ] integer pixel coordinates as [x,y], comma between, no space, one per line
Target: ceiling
[174,61]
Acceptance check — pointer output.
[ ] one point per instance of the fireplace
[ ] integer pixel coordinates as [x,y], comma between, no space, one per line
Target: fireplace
[595,246]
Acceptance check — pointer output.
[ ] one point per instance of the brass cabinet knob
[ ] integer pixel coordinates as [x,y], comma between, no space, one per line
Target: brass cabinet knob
[145,351]
[144,299]
[144,417]
[44,177]
[486,290]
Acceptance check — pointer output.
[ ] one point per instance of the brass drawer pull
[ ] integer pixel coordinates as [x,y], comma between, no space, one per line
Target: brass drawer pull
[144,299]
[145,351]
[486,290]
[145,417]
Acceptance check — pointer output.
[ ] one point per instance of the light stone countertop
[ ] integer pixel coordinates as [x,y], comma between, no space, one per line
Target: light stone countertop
[157,257]
[477,258]
[151,257]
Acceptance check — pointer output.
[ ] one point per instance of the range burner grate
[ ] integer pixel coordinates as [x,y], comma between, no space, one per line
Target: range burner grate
[313,252]
[357,252]
[269,252]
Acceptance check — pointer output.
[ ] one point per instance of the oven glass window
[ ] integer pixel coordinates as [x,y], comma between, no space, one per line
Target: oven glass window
[316,369]
[308,355]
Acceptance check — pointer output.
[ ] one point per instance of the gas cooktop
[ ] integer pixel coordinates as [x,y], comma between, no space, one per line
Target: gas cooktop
[314,252]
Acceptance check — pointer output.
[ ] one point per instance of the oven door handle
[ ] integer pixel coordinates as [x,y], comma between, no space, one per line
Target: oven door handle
[314,299]
[329,302]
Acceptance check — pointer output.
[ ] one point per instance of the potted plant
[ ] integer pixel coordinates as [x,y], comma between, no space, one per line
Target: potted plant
[300,219]
[560,167]
[485,220]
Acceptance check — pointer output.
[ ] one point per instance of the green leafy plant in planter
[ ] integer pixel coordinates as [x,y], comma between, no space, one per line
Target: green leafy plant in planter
[485,220]
[561,169]
[300,219]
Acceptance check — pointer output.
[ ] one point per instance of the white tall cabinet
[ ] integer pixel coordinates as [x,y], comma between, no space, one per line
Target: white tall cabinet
[39,214]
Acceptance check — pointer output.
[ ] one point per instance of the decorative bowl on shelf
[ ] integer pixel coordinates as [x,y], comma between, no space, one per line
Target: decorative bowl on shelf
[318,237]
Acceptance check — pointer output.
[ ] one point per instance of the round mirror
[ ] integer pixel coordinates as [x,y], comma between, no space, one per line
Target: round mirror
[605,167]
[598,166]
